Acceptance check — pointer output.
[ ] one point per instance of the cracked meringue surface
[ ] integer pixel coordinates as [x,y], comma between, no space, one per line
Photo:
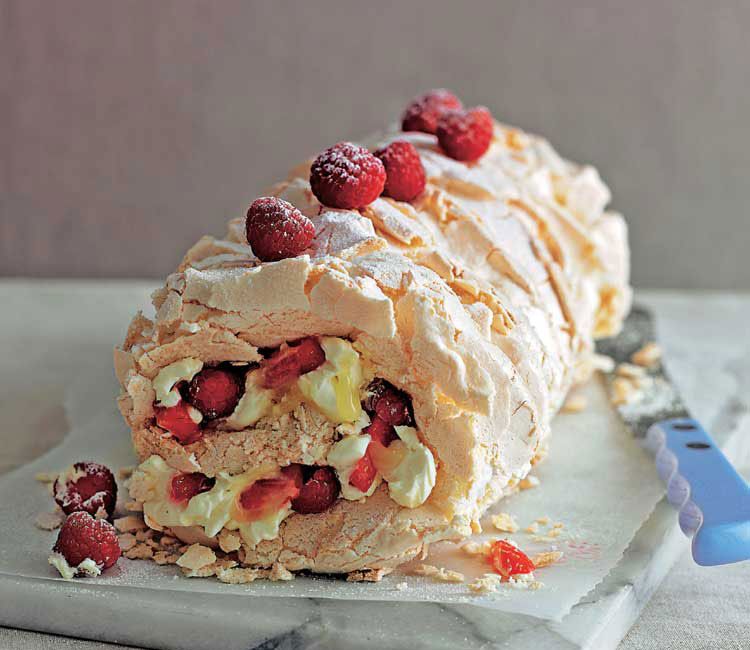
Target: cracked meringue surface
[480,299]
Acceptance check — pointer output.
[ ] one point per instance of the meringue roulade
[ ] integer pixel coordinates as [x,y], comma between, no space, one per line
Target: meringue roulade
[342,408]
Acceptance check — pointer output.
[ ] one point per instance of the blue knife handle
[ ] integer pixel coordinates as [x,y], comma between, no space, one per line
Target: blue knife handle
[713,499]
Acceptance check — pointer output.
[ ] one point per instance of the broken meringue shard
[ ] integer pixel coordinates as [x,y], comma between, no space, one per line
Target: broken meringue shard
[418,350]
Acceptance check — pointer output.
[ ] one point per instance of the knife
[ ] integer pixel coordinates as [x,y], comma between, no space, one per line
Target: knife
[712,498]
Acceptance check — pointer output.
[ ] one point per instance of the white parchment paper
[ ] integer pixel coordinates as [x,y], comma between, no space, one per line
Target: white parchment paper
[596,481]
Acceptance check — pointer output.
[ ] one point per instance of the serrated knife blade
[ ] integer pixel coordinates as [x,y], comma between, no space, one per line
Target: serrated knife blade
[712,498]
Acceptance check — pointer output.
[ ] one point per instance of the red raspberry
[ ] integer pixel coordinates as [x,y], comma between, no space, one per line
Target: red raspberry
[177,420]
[82,536]
[422,113]
[388,403]
[184,487]
[269,495]
[318,492]
[405,178]
[214,392]
[277,230]
[89,487]
[347,176]
[286,365]
[466,135]
[363,473]
[508,560]
[380,431]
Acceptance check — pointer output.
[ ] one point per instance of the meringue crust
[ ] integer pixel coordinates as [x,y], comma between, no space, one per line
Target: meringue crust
[480,299]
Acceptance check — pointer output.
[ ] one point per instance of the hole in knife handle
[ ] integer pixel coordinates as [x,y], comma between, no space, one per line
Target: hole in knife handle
[684,426]
[697,445]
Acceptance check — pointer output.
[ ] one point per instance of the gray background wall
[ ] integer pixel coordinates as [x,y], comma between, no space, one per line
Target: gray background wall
[130,128]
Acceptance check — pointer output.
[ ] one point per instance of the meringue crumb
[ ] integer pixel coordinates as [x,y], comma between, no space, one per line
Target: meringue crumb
[602,362]
[127,541]
[165,557]
[367,575]
[529,482]
[648,355]
[237,576]
[623,391]
[229,541]
[58,561]
[542,520]
[139,552]
[46,477]
[125,472]
[545,559]
[196,556]
[574,404]
[280,572]
[129,524]
[49,520]
[134,506]
[488,583]
[473,548]
[531,528]
[630,371]
[558,524]
[504,522]
[441,574]
[555,532]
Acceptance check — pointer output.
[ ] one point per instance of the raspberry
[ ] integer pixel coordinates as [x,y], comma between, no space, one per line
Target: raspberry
[179,422]
[82,536]
[347,176]
[318,492]
[390,404]
[405,178]
[422,113]
[184,487]
[277,230]
[509,560]
[88,487]
[363,473]
[466,135]
[269,495]
[214,392]
[380,431]
[286,365]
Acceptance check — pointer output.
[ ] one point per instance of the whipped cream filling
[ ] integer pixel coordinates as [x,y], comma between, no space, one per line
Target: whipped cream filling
[343,457]
[254,403]
[212,510]
[411,481]
[164,383]
[334,388]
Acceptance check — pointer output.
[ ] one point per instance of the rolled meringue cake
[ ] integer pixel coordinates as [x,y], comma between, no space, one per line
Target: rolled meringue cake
[342,408]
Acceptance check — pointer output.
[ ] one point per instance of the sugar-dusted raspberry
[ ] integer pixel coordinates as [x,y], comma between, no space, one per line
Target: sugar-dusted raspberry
[508,560]
[214,392]
[184,487]
[318,492]
[88,487]
[84,537]
[364,473]
[276,229]
[180,421]
[423,112]
[466,135]
[288,363]
[405,177]
[380,431]
[269,495]
[347,176]
[390,404]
